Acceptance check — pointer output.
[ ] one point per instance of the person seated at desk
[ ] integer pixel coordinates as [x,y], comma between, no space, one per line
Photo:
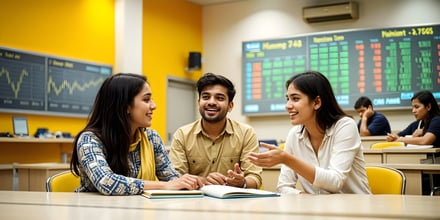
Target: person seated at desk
[323,149]
[425,130]
[371,123]
[116,154]
[215,147]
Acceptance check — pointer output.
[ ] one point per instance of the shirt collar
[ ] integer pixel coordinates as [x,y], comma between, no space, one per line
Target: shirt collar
[328,132]
[228,128]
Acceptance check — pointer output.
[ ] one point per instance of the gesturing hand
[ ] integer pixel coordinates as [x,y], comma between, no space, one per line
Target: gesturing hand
[270,158]
[235,177]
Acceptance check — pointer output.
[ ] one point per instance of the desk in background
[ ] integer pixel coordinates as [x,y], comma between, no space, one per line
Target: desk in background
[408,161]
[373,155]
[399,155]
[270,178]
[42,205]
[413,174]
[6,177]
[32,177]
[34,150]
[367,141]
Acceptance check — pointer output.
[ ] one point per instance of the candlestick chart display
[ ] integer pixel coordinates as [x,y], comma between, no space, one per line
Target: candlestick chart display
[40,84]
[388,65]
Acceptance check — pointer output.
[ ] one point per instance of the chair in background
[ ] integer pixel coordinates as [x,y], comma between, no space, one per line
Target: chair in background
[386,180]
[65,181]
[381,145]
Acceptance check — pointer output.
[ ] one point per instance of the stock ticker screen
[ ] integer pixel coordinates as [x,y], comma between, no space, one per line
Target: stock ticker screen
[388,65]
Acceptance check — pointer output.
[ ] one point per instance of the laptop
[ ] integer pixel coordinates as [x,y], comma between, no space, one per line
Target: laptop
[20,126]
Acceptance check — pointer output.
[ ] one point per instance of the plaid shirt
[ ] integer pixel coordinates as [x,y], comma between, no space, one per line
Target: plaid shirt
[96,174]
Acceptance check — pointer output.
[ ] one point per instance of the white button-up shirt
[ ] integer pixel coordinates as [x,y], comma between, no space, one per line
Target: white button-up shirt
[339,163]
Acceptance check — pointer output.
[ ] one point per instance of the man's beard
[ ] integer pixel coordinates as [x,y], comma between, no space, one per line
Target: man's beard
[214,119]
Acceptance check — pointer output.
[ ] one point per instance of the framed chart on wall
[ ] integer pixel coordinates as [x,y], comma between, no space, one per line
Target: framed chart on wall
[49,85]
[388,65]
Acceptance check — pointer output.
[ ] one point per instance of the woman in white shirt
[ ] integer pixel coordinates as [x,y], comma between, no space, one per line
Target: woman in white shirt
[323,150]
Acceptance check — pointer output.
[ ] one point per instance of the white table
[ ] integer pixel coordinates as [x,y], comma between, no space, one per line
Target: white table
[78,206]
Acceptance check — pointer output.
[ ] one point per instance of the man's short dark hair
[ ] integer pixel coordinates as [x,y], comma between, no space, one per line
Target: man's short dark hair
[210,79]
[363,102]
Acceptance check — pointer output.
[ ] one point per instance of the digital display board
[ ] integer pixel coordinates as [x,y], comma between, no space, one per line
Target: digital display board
[387,65]
[33,83]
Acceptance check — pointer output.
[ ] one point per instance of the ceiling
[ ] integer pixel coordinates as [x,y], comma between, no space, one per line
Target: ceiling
[210,2]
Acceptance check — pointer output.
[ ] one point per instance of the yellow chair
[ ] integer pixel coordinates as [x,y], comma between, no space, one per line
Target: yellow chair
[62,182]
[381,145]
[386,180]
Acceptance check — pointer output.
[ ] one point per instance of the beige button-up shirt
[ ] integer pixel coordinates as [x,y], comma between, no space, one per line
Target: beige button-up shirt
[193,152]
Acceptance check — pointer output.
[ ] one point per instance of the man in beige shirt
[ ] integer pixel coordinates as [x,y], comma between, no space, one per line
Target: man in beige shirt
[215,147]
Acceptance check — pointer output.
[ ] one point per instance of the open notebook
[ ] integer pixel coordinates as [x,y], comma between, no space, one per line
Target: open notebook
[216,191]
[229,192]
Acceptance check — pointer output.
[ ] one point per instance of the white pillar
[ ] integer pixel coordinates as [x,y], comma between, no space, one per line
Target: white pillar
[128,36]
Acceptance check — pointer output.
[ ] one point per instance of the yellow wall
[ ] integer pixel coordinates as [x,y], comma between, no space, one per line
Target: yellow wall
[80,29]
[171,29]
[84,30]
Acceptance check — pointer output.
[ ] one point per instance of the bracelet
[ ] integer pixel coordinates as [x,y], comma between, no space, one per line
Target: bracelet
[244,184]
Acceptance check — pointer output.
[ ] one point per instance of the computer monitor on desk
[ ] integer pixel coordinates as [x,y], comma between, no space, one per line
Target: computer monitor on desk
[20,126]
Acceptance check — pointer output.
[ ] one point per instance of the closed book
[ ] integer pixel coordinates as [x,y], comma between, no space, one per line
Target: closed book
[163,194]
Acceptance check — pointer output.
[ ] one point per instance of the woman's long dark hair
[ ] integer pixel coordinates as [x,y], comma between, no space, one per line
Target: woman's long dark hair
[314,84]
[426,98]
[109,120]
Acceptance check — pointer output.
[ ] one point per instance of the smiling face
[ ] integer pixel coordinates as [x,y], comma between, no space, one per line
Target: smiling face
[419,110]
[141,111]
[301,109]
[214,103]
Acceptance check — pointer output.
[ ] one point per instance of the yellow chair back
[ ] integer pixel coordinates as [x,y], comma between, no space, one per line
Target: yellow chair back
[62,182]
[382,145]
[386,180]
